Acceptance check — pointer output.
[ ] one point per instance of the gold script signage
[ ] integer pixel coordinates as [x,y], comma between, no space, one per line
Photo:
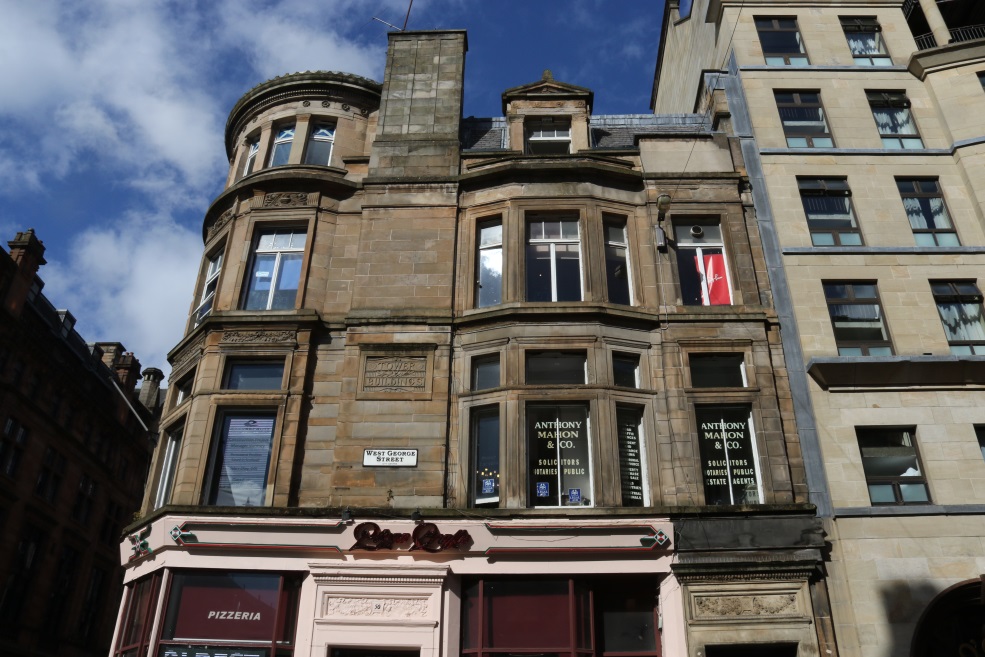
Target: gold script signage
[395,374]
[426,536]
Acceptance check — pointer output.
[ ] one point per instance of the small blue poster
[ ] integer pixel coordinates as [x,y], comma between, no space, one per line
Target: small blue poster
[488,486]
[574,495]
[543,489]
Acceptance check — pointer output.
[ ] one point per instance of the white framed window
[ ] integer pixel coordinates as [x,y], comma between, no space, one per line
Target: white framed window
[702,265]
[320,142]
[252,148]
[559,455]
[281,149]
[553,260]
[618,281]
[276,270]
[489,264]
[169,466]
[209,287]
[548,135]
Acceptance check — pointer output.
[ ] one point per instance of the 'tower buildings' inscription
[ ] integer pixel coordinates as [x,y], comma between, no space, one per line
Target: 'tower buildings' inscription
[395,374]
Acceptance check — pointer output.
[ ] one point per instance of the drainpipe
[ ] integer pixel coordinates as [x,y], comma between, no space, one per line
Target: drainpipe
[937,25]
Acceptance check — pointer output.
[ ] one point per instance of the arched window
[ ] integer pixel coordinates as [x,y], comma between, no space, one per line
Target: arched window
[952,623]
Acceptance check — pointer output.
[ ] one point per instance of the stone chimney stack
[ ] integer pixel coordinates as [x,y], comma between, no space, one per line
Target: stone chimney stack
[421,108]
[27,251]
[150,388]
[123,363]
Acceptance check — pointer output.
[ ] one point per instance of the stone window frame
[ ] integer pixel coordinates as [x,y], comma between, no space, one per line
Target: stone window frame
[265,220]
[425,351]
[544,145]
[263,139]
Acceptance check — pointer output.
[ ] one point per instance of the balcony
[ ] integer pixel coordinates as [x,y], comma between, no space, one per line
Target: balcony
[965,20]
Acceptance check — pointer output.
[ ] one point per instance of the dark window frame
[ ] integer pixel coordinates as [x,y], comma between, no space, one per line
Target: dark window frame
[801,101]
[852,299]
[917,191]
[963,292]
[895,481]
[139,611]
[882,99]
[774,26]
[866,25]
[830,188]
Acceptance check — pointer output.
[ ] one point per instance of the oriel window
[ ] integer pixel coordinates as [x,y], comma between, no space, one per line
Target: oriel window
[276,270]
[553,260]
[489,264]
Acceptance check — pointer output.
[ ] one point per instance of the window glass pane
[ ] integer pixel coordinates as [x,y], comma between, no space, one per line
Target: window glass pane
[716,370]
[555,367]
[568,272]
[629,617]
[168,468]
[286,293]
[690,277]
[261,278]
[728,458]
[629,423]
[539,272]
[914,493]
[625,370]
[558,449]
[490,265]
[318,152]
[491,234]
[194,595]
[485,372]
[255,376]
[485,457]
[617,274]
[241,461]
[280,153]
[882,494]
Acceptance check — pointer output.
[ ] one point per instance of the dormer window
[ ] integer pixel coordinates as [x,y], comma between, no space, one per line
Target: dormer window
[548,136]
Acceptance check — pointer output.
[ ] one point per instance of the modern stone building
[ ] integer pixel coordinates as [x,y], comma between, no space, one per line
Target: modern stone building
[75,446]
[862,129]
[476,386]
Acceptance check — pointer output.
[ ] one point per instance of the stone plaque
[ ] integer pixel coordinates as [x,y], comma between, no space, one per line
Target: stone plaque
[380,607]
[395,374]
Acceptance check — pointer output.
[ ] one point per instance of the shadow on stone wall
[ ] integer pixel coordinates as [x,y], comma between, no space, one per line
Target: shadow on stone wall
[903,602]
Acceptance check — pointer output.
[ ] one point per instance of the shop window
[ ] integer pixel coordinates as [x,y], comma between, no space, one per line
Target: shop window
[258,613]
[321,138]
[892,465]
[252,148]
[169,467]
[781,41]
[489,264]
[280,151]
[51,475]
[85,497]
[556,367]
[828,206]
[559,453]
[960,306]
[729,455]
[92,604]
[12,446]
[24,571]
[632,456]
[254,375]
[618,284]
[802,116]
[553,260]
[140,602]
[485,457]
[485,372]
[548,135]
[701,265]
[864,35]
[626,370]
[717,370]
[276,270]
[857,319]
[891,111]
[207,298]
[616,615]
[929,218]
[240,460]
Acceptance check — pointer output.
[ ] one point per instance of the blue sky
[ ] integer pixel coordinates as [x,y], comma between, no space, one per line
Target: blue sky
[112,111]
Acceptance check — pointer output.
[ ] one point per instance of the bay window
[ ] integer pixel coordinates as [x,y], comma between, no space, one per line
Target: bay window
[240,460]
[169,467]
[701,265]
[729,455]
[209,285]
[617,276]
[281,150]
[553,260]
[559,455]
[485,456]
[321,138]
[276,269]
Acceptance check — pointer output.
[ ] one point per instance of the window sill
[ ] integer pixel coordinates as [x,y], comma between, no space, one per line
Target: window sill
[888,372]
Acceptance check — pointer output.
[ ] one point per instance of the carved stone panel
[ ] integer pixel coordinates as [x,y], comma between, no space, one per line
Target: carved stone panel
[395,374]
[746,606]
[259,337]
[372,607]
[285,200]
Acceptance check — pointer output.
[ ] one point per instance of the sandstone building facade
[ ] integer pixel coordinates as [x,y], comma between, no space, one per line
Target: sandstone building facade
[862,131]
[75,446]
[476,386]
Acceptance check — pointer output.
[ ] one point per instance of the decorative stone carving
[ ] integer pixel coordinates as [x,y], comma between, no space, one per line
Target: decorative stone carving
[746,605]
[306,103]
[139,545]
[395,374]
[345,107]
[220,223]
[285,200]
[190,352]
[381,607]
[364,111]
[325,103]
[263,337]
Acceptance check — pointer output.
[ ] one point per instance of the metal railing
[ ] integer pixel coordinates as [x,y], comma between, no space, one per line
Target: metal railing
[958,35]
[925,41]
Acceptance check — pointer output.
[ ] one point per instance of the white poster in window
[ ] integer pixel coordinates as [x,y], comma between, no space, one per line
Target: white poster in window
[244,461]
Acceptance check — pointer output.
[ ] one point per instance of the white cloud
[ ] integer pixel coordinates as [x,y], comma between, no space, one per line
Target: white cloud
[130,282]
